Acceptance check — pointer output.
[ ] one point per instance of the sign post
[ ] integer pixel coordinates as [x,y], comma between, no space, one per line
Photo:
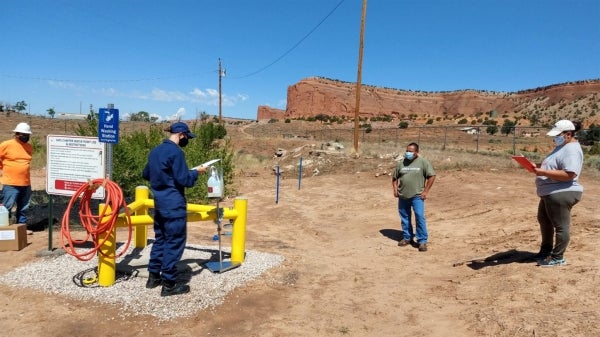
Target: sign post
[72,162]
[108,132]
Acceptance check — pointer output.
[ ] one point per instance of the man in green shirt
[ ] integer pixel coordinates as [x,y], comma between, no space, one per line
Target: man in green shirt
[411,181]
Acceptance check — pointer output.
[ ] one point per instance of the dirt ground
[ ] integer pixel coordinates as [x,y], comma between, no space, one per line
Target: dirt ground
[344,274]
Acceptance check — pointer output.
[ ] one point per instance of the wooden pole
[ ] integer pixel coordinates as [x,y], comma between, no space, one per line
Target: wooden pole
[220,97]
[359,75]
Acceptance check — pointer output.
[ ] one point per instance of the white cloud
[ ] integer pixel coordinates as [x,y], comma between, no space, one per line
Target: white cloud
[168,96]
[63,85]
[208,96]
[177,116]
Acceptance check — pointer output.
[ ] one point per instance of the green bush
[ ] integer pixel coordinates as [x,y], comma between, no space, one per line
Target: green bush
[130,155]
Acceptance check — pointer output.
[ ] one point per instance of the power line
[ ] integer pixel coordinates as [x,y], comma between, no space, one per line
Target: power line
[158,78]
[294,46]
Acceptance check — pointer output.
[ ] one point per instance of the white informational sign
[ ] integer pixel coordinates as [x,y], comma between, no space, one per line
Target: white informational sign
[74,161]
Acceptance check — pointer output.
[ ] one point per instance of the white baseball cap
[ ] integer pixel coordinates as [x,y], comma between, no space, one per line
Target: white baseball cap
[560,127]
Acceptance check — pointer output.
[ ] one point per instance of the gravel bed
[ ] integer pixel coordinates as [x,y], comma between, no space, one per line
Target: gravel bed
[66,275]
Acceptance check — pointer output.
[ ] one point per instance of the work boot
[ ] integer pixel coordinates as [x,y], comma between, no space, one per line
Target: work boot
[154,280]
[173,288]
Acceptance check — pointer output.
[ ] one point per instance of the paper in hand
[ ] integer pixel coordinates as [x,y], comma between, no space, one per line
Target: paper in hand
[207,164]
[528,165]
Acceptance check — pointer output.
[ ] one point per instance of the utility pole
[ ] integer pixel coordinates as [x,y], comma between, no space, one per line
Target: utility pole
[221,75]
[359,75]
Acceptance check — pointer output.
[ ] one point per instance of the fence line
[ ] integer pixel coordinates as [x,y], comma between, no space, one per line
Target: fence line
[474,138]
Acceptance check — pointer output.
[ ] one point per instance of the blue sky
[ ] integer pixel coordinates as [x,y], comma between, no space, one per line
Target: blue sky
[162,56]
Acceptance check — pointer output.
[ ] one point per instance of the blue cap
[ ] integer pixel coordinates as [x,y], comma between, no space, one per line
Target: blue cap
[181,127]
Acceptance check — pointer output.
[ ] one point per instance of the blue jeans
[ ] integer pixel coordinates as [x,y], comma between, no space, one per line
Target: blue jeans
[19,195]
[418,206]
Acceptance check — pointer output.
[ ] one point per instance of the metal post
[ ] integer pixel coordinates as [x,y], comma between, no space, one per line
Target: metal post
[50,221]
[107,266]
[514,140]
[445,137]
[141,232]
[300,173]
[477,148]
[238,235]
[277,186]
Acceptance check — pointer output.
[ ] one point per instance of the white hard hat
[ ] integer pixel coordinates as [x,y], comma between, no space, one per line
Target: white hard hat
[23,128]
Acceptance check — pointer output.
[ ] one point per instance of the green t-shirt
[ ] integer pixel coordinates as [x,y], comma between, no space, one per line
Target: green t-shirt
[412,176]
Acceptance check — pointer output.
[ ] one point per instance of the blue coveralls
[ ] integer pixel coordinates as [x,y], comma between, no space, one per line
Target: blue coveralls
[168,174]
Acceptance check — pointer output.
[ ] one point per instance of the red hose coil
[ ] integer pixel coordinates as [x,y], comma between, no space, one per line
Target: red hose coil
[98,227]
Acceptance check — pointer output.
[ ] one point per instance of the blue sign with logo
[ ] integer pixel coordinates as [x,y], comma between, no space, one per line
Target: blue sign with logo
[108,126]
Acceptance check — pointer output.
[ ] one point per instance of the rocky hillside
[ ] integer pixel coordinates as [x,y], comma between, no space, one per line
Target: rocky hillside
[313,96]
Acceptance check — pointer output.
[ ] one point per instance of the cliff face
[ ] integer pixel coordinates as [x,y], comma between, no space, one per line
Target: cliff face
[265,112]
[314,96]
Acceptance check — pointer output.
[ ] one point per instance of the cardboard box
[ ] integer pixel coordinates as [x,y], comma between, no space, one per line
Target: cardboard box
[13,237]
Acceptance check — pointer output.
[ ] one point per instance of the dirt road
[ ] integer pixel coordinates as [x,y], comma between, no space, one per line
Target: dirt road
[344,274]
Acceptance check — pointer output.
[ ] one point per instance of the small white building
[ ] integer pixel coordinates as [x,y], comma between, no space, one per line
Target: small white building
[71,116]
[470,130]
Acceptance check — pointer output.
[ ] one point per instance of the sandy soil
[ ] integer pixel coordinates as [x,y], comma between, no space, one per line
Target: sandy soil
[344,274]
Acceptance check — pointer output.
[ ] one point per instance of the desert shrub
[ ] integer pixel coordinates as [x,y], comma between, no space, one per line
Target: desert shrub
[130,155]
[592,162]
[594,149]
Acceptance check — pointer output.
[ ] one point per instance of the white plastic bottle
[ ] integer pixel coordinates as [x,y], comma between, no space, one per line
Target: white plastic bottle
[215,185]
[3,216]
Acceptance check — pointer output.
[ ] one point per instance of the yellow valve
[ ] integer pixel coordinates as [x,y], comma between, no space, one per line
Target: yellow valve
[89,280]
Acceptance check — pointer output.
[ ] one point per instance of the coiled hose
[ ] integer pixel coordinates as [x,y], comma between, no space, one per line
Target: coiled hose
[98,227]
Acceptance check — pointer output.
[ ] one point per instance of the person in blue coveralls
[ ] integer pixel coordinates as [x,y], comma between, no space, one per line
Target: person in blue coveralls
[169,175]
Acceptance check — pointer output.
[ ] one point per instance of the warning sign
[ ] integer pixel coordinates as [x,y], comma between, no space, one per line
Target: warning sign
[72,162]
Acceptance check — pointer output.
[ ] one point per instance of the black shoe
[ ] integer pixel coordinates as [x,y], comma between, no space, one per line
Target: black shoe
[174,289]
[154,280]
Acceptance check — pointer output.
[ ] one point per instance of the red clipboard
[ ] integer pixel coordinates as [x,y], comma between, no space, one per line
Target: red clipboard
[529,166]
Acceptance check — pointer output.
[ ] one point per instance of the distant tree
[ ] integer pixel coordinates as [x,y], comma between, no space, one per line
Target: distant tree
[203,116]
[141,116]
[51,112]
[492,129]
[508,127]
[322,117]
[403,125]
[534,119]
[20,106]
[591,136]
[92,116]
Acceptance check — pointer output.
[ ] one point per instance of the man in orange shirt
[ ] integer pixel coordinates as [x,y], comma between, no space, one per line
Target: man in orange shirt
[15,161]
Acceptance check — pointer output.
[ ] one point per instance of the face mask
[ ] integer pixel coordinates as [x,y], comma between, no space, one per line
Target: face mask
[559,140]
[183,142]
[409,155]
[24,138]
